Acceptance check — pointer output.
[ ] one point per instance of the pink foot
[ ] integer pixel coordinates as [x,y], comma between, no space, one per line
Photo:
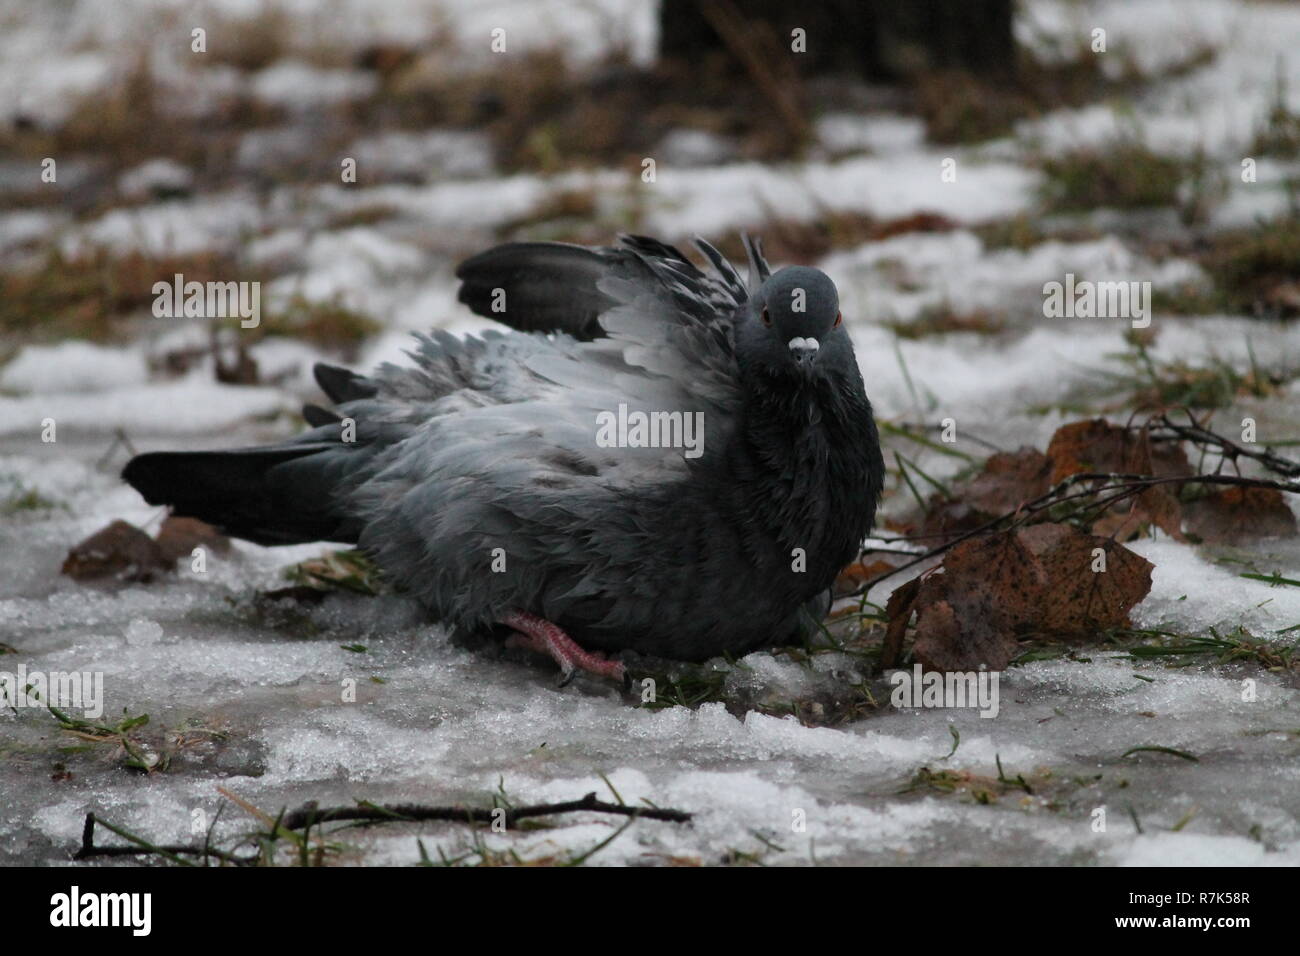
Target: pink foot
[544,637]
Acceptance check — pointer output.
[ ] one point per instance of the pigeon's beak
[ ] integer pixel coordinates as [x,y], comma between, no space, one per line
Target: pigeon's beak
[803,351]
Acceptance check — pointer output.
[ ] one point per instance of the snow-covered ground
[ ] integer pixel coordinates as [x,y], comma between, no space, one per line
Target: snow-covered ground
[436,724]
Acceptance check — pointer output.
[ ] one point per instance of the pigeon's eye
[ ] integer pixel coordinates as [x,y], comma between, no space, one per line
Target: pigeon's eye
[839,318]
[767,319]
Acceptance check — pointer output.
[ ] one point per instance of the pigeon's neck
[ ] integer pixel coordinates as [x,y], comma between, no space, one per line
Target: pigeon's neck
[803,463]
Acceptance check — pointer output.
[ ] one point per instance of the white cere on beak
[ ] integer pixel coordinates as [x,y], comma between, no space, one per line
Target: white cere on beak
[798,344]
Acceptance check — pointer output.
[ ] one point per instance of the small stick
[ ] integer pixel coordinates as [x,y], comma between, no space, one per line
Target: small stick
[309,816]
[407,812]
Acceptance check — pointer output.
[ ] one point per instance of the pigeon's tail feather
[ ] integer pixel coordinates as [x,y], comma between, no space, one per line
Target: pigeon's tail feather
[537,287]
[283,494]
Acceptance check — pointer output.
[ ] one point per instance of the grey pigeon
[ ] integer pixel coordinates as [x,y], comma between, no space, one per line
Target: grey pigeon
[657,458]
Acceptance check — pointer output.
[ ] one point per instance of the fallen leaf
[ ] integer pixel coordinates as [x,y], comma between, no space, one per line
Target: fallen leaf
[970,615]
[1009,479]
[178,537]
[858,573]
[1098,446]
[120,550]
[1238,515]
[1081,601]
[898,612]
[1045,581]
[949,518]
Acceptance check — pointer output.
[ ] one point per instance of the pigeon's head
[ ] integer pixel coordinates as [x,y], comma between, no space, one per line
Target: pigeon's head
[795,322]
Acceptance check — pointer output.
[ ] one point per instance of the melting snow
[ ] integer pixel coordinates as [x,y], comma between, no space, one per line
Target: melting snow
[442,724]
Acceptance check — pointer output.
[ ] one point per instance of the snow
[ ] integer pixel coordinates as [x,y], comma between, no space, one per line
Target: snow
[301,86]
[1216,108]
[901,277]
[195,403]
[72,367]
[48,89]
[154,176]
[440,709]
[887,187]
[1195,595]
[343,265]
[440,154]
[18,229]
[449,725]
[175,228]
[878,133]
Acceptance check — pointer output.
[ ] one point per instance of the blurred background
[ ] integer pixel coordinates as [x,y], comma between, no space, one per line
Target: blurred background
[212,139]
[943,160]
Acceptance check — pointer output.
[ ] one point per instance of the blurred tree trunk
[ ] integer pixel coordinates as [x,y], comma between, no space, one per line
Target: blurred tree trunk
[876,39]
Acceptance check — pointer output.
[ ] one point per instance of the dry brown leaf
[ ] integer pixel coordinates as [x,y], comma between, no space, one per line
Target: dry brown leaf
[1079,447]
[120,550]
[178,537]
[969,616]
[994,591]
[1008,480]
[943,643]
[1098,446]
[947,519]
[1237,515]
[898,611]
[859,573]
[1081,600]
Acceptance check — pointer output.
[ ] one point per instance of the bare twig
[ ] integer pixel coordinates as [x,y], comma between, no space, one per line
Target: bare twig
[310,816]
[143,847]
[306,817]
[1196,433]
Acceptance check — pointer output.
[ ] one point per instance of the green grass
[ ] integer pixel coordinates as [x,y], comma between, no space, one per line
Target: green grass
[86,297]
[348,570]
[1123,174]
[23,499]
[1183,651]
[1215,383]
[330,325]
[1279,136]
[1248,266]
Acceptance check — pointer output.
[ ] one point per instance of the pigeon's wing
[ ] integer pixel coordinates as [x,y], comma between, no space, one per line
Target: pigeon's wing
[668,331]
[558,287]
[667,346]
[538,286]
[507,447]
[759,270]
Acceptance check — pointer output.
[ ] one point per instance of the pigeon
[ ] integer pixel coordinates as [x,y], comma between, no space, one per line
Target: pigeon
[653,457]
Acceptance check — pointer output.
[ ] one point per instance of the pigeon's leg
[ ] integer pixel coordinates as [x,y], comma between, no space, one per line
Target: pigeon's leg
[544,637]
